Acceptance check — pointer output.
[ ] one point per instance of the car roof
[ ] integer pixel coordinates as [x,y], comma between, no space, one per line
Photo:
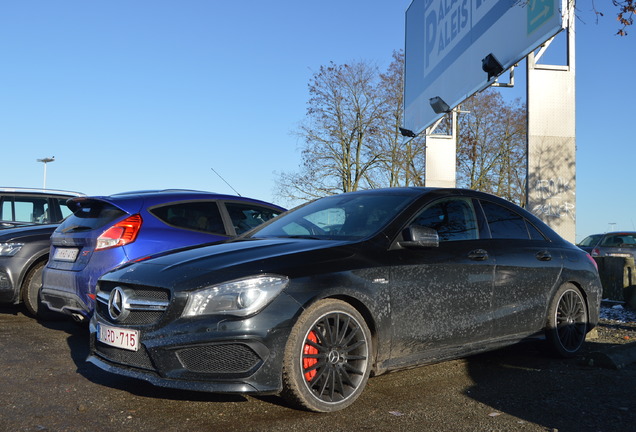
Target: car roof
[613,233]
[133,201]
[40,192]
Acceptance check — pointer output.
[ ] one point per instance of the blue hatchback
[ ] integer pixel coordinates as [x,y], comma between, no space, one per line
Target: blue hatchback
[106,231]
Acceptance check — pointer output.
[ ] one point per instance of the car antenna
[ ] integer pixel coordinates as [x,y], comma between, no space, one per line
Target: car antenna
[226,182]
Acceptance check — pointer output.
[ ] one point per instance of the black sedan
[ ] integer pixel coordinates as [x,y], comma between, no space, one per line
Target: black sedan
[313,302]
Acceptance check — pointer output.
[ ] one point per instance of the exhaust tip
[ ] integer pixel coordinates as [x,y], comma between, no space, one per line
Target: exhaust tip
[78,317]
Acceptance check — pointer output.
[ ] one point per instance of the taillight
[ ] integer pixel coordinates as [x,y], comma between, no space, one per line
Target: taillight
[596,252]
[593,261]
[120,234]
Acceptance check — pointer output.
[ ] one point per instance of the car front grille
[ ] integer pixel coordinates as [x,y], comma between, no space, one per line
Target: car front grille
[147,305]
[227,358]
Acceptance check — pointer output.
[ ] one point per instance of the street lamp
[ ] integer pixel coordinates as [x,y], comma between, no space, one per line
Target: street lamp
[45,161]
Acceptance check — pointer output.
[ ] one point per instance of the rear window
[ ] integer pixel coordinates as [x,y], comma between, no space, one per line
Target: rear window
[619,240]
[91,215]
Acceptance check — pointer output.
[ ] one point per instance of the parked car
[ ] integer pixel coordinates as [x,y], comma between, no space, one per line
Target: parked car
[616,244]
[23,206]
[24,251]
[106,231]
[311,303]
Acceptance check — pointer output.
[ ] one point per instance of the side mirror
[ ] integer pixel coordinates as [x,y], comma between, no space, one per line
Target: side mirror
[417,236]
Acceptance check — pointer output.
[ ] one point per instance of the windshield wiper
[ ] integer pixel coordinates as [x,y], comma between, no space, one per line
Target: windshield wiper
[310,237]
[77,228]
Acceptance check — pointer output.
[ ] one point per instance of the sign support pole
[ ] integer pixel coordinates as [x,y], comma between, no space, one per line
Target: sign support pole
[551,178]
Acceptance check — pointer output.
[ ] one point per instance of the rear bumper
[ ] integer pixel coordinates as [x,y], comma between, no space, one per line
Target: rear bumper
[67,292]
[65,302]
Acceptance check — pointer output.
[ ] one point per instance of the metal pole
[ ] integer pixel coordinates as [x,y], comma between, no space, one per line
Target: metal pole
[45,161]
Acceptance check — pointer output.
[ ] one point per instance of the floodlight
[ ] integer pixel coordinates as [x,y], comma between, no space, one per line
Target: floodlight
[491,66]
[408,133]
[439,106]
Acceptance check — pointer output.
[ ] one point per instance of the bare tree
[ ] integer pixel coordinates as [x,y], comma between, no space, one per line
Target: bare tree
[491,148]
[401,163]
[339,134]
[351,138]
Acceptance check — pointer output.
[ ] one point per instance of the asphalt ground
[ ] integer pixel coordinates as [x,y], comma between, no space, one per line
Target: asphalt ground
[47,385]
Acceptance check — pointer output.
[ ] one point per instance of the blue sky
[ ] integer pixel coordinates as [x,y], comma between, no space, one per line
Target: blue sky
[143,94]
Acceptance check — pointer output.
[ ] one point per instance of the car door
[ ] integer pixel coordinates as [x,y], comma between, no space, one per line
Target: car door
[528,267]
[441,296]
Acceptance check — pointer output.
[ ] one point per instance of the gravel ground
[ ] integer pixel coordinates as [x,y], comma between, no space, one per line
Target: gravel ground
[48,386]
[617,325]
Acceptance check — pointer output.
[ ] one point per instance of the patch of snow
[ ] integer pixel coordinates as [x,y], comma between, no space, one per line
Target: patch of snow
[618,313]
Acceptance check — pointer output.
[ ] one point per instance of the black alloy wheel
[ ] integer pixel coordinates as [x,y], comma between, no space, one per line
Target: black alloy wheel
[567,321]
[327,358]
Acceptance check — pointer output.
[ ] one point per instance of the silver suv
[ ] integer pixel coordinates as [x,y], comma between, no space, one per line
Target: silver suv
[28,217]
[22,206]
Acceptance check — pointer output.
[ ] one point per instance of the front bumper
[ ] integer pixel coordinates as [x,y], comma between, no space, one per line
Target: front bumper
[212,354]
[10,270]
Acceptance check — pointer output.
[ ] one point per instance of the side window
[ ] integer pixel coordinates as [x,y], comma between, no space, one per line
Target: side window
[30,209]
[7,210]
[453,219]
[535,234]
[64,210]
[199,216]
[506,224]
[247,216]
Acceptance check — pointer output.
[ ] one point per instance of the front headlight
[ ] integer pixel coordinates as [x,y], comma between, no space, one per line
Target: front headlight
[10,249]
[240,297]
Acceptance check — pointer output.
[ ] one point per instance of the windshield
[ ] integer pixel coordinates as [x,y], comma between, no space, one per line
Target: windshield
[339,217]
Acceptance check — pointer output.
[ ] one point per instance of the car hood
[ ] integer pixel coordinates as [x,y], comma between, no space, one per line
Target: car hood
[202,266]
[23,232]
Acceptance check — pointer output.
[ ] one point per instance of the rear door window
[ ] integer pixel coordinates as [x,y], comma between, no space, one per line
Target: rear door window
[64,210]
[196,215]
[507,224]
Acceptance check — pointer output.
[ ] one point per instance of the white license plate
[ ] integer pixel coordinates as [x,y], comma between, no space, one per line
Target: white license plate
[118,337]
[65,254]
[620,255]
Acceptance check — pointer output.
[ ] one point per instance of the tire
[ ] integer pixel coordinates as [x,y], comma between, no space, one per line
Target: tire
[30,294]
[31,288]
[327,358]
[567,321]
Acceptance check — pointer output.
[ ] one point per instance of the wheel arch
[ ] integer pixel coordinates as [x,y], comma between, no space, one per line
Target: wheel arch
[369,319]
[592,312]
[34,262]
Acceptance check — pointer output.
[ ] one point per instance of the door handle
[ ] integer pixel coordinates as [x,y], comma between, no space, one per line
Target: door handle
[478,255]
[544,255]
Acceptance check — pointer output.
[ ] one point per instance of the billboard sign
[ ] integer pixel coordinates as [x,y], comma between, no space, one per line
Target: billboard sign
[455,48]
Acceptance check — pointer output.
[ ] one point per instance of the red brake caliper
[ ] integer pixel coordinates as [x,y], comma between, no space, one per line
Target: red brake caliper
[310,350]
